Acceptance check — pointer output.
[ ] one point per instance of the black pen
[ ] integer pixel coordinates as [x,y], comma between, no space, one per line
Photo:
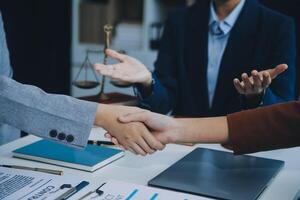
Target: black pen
[98,191]
[100,143]
[77,188]
[72,191]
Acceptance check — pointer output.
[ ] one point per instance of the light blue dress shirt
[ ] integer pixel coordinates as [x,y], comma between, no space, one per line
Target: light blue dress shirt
[218,34]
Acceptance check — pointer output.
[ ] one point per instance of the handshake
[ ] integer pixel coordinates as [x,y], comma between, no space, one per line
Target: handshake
[143,132]
[139,131]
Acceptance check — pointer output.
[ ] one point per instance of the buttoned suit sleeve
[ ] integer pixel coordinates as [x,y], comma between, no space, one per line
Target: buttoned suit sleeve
[28,108]
[56,117]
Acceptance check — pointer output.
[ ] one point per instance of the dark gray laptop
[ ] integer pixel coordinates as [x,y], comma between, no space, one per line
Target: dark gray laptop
[219,174]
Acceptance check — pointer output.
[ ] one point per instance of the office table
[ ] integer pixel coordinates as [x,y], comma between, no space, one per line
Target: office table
[139,170]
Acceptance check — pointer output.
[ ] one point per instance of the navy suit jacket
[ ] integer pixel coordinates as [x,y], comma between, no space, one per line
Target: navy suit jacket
[260,39]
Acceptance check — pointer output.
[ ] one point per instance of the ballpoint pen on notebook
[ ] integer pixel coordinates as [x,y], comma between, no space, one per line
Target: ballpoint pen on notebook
[49,171]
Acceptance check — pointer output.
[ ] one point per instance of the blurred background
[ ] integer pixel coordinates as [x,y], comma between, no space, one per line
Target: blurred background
[48,39]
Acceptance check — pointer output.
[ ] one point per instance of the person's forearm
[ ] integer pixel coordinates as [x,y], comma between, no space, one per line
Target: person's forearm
[102,115]
[202,130]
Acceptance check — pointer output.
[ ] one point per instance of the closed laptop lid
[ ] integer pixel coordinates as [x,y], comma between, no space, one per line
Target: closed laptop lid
[219,174]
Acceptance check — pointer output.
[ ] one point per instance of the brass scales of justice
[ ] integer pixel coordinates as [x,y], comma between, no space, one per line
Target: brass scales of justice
[86,65]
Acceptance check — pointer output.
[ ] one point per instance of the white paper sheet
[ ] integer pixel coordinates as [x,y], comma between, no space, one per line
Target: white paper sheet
[117,190]
[18,184]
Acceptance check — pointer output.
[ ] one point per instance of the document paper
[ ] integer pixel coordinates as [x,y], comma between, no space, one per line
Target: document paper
[18,184]
[117,190]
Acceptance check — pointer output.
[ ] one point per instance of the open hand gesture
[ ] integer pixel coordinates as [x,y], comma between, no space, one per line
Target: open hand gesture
[128,69]
[258,81]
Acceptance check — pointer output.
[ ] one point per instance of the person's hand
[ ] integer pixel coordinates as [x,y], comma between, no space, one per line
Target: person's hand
[134,136]
[128,69]
[258,81]
[179,130]
[163,128]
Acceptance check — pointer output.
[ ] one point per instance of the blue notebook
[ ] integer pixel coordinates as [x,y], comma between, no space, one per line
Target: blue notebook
[89,159]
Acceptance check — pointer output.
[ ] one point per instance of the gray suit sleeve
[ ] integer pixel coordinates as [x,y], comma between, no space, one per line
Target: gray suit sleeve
[5,67]
[56,117]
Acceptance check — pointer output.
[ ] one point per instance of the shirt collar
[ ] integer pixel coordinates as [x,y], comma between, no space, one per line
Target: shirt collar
[229,21]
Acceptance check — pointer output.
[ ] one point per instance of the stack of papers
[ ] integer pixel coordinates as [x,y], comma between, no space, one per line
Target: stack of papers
[29,185]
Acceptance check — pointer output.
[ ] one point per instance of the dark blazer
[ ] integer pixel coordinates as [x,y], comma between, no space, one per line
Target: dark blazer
[266,128]
[260,39]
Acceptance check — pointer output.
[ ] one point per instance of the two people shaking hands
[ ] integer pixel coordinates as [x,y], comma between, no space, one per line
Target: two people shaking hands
[207,79]
[152,131]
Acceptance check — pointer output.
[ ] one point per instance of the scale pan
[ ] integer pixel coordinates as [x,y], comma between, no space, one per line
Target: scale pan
[86,84]
[121,84]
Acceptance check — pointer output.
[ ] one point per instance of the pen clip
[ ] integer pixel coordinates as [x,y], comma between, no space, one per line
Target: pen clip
[98,191]
[77,188]
[65,186]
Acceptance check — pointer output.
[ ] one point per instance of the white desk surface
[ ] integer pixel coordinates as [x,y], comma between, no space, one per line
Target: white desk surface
[139,170]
